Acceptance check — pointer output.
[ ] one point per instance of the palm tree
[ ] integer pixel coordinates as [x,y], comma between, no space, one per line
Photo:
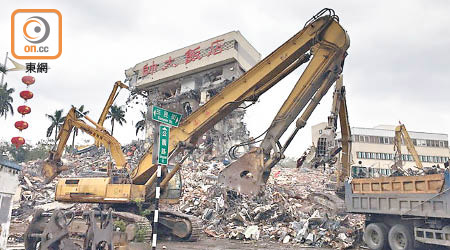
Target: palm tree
[78,114]
[6,100]
[140,125]
[116,114]
[57,120]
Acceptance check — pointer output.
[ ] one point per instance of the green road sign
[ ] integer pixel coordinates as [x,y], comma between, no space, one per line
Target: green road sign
[166,116]
[163,152]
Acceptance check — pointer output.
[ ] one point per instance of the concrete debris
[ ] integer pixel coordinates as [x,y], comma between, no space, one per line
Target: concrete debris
[54,205]
[288,210]
[252,232]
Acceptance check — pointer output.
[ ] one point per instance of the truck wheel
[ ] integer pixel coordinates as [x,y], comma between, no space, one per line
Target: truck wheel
[401,237]
[375,236]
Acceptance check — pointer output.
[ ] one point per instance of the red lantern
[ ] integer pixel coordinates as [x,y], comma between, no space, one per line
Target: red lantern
[21,125]
[24,109]
[17,141]
[26,95]
[28,80]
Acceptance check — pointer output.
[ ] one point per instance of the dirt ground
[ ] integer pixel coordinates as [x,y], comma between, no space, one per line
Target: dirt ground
[220,244]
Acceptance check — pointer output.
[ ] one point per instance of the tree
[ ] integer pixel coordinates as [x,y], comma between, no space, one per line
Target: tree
[140,125]
[116,114]
[78,114]
[57,120]
[6,100]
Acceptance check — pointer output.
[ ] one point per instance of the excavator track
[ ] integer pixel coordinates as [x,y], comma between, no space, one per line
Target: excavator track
[187,225]
[196,224]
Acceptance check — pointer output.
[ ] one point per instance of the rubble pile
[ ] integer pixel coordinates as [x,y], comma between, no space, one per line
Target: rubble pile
[293,208]
[286,211]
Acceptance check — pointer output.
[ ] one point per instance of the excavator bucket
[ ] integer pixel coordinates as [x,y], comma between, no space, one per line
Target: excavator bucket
[51,169]
[245,175]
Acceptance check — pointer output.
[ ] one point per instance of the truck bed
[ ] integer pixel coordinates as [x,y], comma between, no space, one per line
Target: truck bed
[425,196]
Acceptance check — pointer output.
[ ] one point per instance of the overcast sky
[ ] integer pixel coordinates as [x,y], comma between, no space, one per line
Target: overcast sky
[397,67]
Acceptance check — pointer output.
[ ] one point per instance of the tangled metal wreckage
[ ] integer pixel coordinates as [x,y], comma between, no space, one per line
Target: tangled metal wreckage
[129,187]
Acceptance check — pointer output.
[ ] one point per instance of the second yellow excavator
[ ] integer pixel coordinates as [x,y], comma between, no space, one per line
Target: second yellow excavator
[402,135]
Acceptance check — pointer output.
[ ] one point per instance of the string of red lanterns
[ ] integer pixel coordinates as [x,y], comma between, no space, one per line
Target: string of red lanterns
[18,141]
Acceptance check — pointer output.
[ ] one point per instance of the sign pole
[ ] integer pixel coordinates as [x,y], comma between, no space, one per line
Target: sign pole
[158,182]
[156,212]
[160,154]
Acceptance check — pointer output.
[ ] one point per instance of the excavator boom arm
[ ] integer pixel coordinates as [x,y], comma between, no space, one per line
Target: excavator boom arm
[249,86]
[401,132]
[110,101]
[53,165]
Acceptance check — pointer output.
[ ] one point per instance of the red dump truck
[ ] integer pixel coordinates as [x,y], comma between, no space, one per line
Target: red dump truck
[402,212]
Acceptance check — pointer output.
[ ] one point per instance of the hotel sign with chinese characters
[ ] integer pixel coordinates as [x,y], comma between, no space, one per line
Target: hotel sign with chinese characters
[215,47]
[174,66]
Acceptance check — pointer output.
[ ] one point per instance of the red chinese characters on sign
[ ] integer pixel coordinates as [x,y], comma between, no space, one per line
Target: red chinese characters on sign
[192,55]
[169,63]
[216,47]
[149,69]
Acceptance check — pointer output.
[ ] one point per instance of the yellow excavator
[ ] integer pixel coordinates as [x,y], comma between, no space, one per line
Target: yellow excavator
[327,146]
[322,42]
[402,135]
[53,165]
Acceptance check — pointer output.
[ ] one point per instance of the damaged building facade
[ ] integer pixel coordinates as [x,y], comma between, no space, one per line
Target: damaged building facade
[185,79]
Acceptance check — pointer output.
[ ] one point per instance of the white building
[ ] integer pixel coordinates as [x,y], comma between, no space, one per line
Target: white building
[374,147]
[9,172]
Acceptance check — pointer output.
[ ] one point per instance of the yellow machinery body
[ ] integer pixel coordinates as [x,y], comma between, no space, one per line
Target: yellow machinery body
[97,190]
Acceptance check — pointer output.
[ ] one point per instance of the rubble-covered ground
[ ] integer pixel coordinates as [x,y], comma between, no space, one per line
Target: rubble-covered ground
[287,211]
[293,209]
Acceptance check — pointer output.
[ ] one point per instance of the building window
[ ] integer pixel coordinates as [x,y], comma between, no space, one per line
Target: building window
[391,140]
[421,143]
[358,155]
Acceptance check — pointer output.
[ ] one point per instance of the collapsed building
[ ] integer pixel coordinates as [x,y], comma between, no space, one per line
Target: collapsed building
[183,80]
